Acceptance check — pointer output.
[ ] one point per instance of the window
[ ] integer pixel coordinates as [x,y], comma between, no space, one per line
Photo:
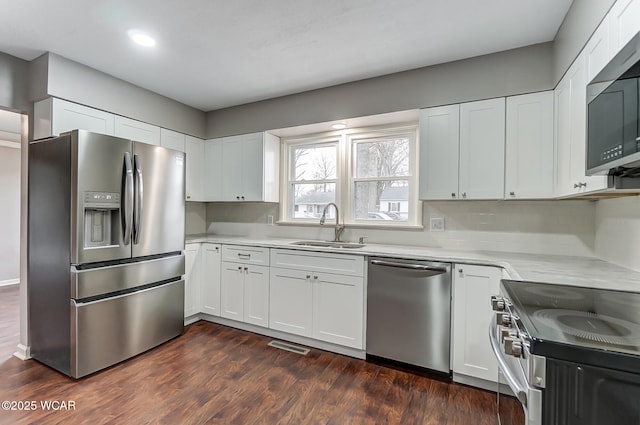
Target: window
[369,174]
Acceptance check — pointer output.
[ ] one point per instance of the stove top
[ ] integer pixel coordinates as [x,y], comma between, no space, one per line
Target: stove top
[574,323]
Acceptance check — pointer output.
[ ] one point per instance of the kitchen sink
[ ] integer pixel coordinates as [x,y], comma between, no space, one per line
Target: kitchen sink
[329,244]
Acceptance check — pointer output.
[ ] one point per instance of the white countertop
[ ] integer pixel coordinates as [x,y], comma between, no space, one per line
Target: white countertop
[565,270]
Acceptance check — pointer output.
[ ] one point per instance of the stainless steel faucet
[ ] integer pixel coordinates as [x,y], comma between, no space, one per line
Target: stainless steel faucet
[339,227]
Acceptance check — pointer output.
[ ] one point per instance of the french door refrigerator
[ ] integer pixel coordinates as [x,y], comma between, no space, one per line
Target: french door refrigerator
[105,262]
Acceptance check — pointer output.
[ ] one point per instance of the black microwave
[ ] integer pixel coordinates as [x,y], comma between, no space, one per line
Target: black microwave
[613,115]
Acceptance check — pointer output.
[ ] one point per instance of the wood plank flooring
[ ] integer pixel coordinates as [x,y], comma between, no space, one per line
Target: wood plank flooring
[218,375]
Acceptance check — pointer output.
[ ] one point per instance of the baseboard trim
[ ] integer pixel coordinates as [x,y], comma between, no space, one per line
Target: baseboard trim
[9,282]
[23,352]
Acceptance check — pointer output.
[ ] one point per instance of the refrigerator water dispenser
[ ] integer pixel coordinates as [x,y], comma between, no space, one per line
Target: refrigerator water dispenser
[101,219]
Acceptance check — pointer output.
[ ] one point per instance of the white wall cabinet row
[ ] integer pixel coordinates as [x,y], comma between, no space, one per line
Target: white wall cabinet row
[54,116]
[490,149]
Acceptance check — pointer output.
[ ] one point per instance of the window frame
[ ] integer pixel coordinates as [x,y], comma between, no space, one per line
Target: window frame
[345,175]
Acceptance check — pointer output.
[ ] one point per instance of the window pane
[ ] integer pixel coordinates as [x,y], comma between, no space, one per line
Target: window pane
[314,162]
[310,199]
[382,200]
[382,158]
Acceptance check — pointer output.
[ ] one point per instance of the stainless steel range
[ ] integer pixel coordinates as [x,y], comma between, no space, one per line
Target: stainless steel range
[571,355]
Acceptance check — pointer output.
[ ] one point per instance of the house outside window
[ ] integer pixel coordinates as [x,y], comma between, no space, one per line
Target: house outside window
[369,173]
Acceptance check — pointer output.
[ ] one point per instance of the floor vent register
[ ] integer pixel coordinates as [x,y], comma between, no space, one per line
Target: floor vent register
[288,347]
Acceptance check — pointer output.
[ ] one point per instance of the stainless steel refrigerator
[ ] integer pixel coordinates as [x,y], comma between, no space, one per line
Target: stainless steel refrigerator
[106,235]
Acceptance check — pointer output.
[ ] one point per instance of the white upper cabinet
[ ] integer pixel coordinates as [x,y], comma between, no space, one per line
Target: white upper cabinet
[195,159]
[439,148]
[462,151]
[136,130]
[624,23]
[529,154]
[53,116]
[482,135]
[172,139]
[597,51]
[242,168]
[570,134]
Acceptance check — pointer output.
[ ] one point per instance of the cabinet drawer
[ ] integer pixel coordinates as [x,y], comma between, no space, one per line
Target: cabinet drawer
[318,261]
[245,254]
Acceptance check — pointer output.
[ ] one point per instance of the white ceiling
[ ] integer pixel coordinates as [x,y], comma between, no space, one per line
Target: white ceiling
[217,53]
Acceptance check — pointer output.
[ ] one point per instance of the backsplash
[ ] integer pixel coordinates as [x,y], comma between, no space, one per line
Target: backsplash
[541,227]
[617,231]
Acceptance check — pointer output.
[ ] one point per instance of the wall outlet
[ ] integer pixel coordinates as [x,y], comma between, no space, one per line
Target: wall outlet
[436,224]
[270,220]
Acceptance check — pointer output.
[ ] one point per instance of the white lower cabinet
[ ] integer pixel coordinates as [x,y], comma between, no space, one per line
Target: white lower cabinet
[193,277]
[244,286]
[210,282]
[308,301]
[473,287]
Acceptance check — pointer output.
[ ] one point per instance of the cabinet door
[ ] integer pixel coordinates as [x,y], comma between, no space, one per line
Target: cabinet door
[624,23]
[232,291]
[210,282]
[338,303]
[580,182]
[439,150]
[473,287]
[290,301]
[136,130]
[172,139]
[562,135]
[233,164]
[252,167]
[256,295]
[66,116]
[193,278]
[529,156]
[597,51]
[213,172]
[482,126]
[194,149]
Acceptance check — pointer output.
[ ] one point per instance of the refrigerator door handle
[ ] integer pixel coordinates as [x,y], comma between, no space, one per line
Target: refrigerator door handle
[139,196]
[127,198]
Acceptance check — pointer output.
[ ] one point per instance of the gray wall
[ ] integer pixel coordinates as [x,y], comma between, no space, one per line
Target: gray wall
[9,214]
[583,18]
[506,73]
[78,83]
[14,83]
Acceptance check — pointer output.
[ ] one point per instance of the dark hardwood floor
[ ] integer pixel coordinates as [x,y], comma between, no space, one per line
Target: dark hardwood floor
[219,375]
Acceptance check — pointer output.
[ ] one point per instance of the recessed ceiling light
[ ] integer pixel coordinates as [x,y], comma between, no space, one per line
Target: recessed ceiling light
[141,38]
[339,126]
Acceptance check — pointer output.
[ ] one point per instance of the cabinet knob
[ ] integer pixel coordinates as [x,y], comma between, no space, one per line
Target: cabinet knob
[575,185]
[315,277]
[240,268]
[242,197]
[512,193]
[246,269]
[238,198]
[188,197]
[308,276]
[453,195]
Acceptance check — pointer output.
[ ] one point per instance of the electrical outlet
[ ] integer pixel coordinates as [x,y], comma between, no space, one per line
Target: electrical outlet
[436,224]
[270,220]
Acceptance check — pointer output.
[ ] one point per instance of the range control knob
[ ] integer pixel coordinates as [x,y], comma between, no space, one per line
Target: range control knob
[512,346]
[507,332]
[497,303]
[503,319]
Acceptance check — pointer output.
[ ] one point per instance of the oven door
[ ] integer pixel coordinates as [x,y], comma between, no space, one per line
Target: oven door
[526,407]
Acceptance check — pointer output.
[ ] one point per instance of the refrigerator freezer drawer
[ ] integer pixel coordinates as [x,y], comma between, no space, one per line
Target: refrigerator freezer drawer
[93,282]
[111,330]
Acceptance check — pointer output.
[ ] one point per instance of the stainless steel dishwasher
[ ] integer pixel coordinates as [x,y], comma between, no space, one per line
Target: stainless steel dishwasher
[409,312]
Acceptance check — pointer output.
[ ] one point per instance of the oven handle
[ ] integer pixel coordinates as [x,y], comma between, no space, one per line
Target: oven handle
[519,390]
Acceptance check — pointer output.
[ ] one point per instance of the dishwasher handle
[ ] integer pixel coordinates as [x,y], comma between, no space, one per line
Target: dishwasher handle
[409,266]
